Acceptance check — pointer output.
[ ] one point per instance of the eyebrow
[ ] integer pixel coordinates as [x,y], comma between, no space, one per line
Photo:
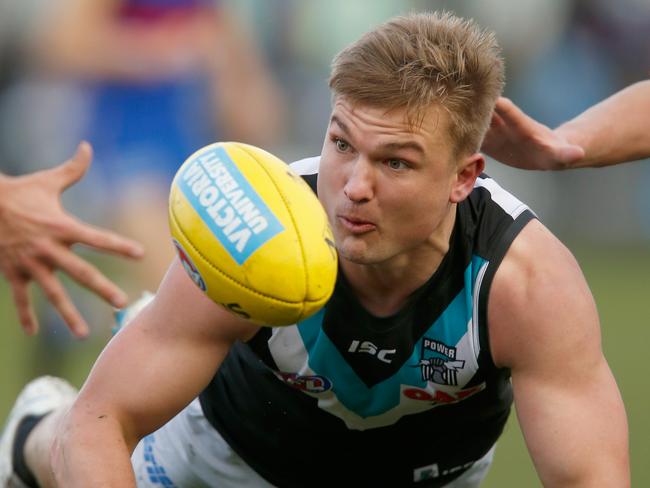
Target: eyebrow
[341,124]
[391,146]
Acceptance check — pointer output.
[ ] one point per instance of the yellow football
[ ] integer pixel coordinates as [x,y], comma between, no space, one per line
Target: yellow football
[252,234]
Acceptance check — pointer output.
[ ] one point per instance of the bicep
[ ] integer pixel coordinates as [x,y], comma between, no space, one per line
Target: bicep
[156,365]
[544,326]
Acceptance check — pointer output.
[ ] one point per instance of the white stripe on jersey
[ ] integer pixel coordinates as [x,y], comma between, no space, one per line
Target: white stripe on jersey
[306,166]
[505,200]
[474,330]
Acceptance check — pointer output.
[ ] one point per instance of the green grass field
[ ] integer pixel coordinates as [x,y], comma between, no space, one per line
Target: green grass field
[619,279]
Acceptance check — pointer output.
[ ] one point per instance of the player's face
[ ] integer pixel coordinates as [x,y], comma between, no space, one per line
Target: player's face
[386,186]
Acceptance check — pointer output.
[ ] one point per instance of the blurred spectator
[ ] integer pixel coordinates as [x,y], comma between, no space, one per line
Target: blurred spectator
[300,38]
[596,48]
[18,19]
[147,82]
[163,78]
[159,78]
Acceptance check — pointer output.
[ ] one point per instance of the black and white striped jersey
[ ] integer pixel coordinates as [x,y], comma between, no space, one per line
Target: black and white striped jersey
[345,397]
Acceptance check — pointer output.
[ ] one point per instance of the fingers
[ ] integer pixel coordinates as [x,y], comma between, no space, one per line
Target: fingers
[517,121]
[104,240]
[496,121]
[74,168]
[86,275]
[510,114]
[26,315]
[58,297]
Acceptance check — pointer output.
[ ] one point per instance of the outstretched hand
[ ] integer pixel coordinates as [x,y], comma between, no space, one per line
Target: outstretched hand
[36,235]
[517,140]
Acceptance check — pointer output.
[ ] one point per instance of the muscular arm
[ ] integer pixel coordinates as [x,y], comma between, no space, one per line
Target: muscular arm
[147,374]
[544,326]
[611,132]
[615,130]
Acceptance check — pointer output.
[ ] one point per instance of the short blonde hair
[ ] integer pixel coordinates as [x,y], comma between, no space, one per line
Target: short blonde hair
[421,59]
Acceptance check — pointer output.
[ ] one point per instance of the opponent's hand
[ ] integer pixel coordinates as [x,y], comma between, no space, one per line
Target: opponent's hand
[517,140]
[36,234]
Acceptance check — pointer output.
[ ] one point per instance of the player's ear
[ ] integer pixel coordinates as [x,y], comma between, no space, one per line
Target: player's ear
[467,171]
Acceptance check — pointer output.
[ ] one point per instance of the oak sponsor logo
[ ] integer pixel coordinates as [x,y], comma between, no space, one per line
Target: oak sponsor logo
[439,397]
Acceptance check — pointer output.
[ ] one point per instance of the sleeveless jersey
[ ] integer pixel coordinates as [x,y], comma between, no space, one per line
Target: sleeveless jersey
[345,398]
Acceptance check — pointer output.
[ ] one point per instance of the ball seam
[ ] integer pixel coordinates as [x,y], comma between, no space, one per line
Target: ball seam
[293,220]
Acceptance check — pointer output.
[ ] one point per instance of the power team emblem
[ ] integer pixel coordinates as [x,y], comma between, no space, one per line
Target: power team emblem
[438,363]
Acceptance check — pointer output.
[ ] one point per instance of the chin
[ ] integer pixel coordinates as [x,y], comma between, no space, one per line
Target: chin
[358,254]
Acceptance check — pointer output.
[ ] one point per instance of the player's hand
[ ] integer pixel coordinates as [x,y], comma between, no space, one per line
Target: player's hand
[517,140]
[36,235]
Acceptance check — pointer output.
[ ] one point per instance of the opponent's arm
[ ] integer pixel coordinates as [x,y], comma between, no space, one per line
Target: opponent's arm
[35,239]
[611,132]
[151,370]
[544,327]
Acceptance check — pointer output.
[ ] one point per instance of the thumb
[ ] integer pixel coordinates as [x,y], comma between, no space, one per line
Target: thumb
[569,154]
[74,168]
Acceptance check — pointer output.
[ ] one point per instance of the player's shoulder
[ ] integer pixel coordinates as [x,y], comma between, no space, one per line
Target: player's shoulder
[487,191]
[538,293]
[492,217]
[308,169]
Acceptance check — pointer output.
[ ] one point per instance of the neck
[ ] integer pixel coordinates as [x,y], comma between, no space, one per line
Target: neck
[383,288]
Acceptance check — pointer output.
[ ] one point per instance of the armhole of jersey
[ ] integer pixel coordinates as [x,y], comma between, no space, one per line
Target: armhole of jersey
[259,343]
[484,283]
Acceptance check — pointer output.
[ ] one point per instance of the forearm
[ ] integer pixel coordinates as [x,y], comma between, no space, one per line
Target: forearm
[613,131]
[576,435]
[90,449]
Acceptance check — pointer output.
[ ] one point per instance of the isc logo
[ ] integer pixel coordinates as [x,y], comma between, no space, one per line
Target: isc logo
[369,348]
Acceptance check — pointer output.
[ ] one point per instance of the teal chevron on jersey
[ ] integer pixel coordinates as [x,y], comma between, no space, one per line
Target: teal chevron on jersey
[324,358]
[452,324]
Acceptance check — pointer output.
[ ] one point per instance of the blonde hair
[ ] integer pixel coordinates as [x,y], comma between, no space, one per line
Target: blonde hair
[421,59]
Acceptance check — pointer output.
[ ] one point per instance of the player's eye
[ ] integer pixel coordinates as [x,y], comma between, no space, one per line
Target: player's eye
[397,164]
[341,145]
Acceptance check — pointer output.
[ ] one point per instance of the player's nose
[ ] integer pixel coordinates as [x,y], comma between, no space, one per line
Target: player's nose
[360,182]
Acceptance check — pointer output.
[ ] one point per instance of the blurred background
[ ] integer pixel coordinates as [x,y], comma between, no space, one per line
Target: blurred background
[147,82]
